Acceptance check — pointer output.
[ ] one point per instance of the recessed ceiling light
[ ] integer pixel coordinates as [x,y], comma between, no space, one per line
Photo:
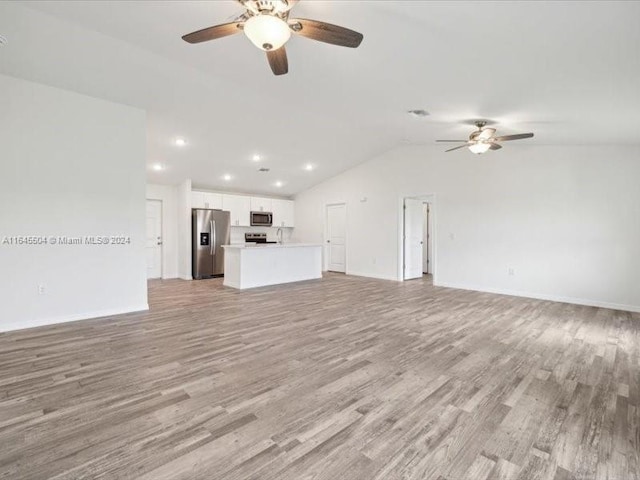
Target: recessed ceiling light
[309,166]
[279,184]
[256,158]
[227,177]
[3,40]
[180,142]
[418,113]
[157,167]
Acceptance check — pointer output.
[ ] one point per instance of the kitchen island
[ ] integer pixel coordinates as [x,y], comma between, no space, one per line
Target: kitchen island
[258,265]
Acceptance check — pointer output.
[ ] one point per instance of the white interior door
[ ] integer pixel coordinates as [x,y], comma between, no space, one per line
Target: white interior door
[154,239]
[413,234]
[336,237]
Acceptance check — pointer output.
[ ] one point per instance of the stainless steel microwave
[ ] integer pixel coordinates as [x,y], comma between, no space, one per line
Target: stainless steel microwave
[261,219]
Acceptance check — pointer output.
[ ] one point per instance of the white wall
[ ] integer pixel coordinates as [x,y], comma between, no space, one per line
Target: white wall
[168,194]
[184,230]
[566,219]
[70,165]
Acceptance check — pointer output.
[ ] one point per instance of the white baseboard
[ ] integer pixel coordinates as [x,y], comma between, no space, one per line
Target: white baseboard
[542,296]
[372,275]
[40,322]
[182,277]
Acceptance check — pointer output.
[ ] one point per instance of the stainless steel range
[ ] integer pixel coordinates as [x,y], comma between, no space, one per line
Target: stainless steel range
[256,238]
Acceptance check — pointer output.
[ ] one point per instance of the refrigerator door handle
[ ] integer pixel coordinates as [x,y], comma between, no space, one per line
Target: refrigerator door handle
[211,240]
[213,236]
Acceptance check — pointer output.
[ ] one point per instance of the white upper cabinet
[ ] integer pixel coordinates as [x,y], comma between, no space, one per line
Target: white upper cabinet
[197,200]
[283,214]
[206,200]
[213,200]
[240,208]
[260,204]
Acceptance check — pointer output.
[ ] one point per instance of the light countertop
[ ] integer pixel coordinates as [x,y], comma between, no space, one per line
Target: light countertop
[261,246]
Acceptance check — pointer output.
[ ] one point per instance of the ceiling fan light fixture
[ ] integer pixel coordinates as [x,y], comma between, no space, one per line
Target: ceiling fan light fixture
[267,32]
[479,147]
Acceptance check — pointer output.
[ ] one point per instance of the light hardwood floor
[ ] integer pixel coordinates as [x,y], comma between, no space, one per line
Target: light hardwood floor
[341,378]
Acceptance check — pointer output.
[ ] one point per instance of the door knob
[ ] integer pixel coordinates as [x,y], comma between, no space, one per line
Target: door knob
[328,241]
[159,243]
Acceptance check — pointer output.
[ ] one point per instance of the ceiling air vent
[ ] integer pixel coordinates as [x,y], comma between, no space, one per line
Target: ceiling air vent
[418,113]
[3,41]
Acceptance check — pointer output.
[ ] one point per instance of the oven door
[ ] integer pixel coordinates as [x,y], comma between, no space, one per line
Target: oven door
[261,219]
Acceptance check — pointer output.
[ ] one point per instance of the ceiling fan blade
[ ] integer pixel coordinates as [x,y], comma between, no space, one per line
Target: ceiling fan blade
[456,148]
[452,141]
[495,146]
[240,19]
[518,136]
[278,61]
[486,133]
[212,33]
[325,32]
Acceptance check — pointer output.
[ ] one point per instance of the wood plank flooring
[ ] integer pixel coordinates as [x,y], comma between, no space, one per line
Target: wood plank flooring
[340,378]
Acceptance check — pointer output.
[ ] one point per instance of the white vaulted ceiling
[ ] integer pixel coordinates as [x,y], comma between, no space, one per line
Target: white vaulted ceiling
[568,71]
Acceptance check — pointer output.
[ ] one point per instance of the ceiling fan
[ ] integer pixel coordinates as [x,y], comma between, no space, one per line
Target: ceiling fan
[267,24]
[483,139]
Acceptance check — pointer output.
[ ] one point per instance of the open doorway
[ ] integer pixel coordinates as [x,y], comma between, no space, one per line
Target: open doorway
[417,252]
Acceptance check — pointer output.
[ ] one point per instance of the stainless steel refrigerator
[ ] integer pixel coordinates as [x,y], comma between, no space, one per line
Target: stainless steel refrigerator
[210,230]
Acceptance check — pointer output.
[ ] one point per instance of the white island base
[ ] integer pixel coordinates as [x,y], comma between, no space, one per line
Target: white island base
[247,266]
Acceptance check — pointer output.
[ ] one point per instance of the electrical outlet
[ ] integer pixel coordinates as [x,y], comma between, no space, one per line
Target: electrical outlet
[41,290]
[375,260]
[452,236]
[511,271]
